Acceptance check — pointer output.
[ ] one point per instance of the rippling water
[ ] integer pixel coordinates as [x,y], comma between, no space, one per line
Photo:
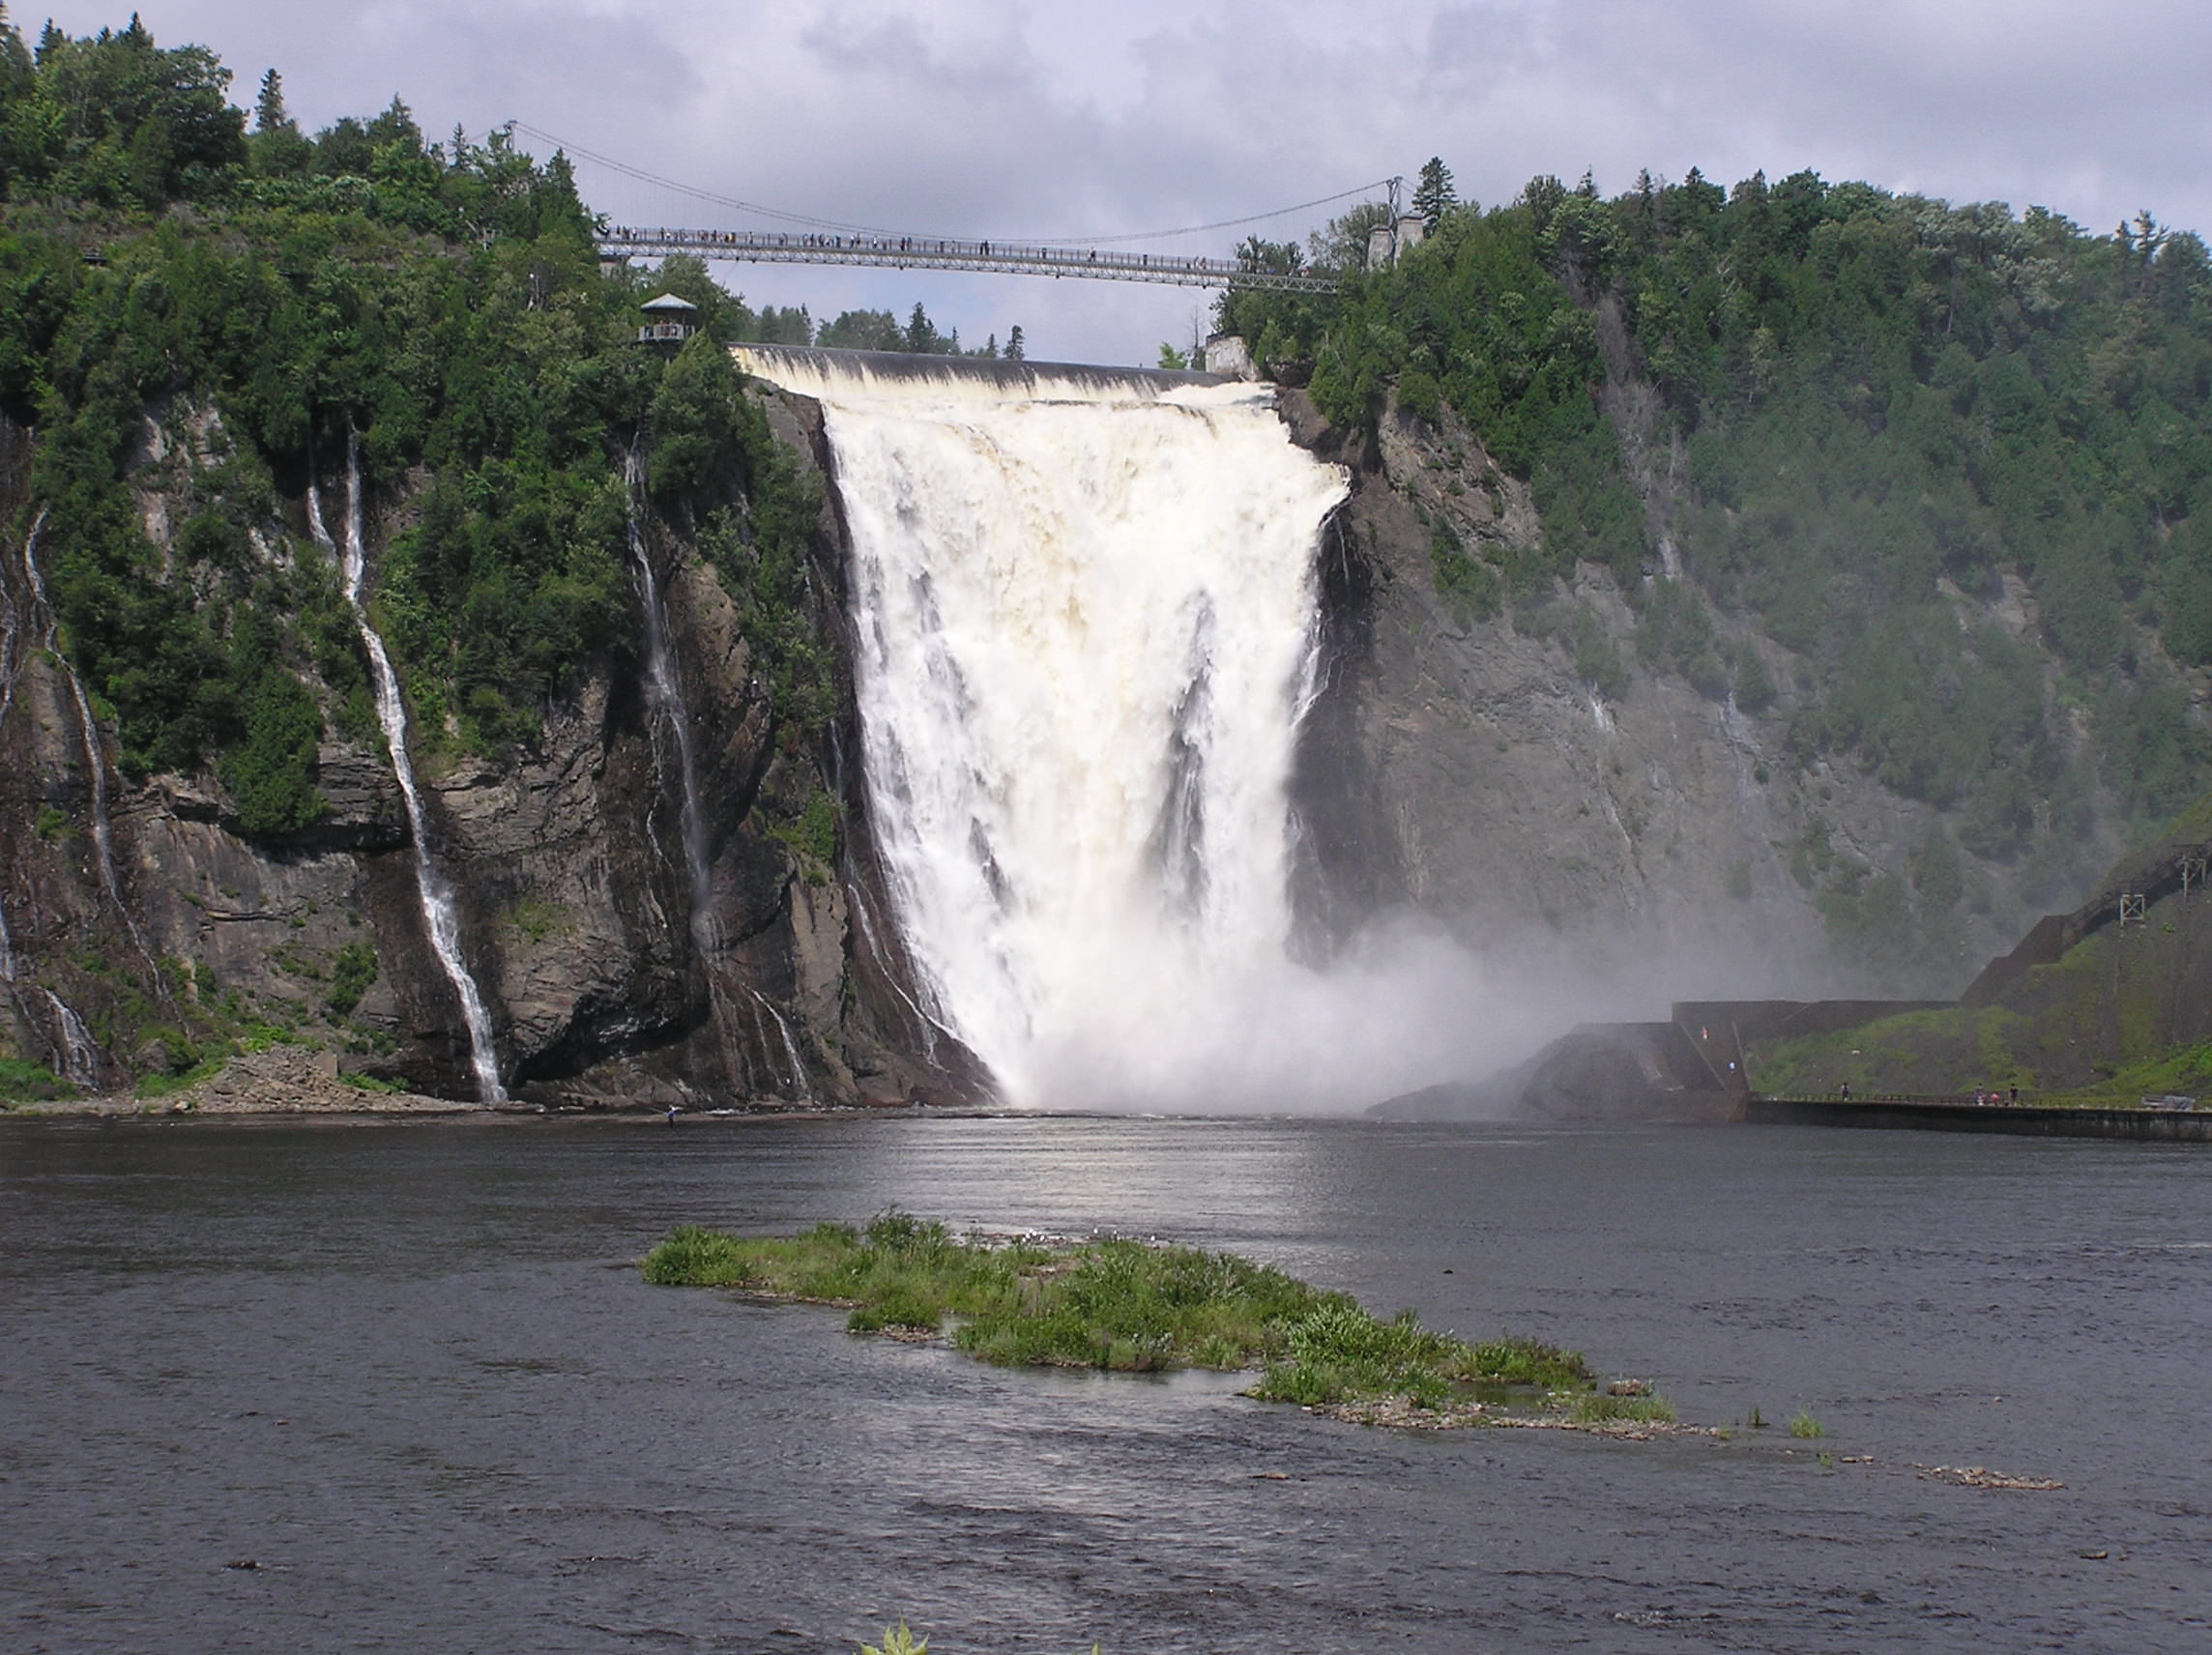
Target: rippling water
[409,1373]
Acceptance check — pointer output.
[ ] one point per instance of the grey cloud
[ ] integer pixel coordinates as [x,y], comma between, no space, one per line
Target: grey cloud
[999,117]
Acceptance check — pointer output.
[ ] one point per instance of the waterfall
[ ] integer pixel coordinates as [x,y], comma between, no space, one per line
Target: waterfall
[1085,607]
[665,691]
[96,767]
[88,727]
[76,1056]
[11,661]
[11,622]
[438,911]
[790,1045]
[88,733]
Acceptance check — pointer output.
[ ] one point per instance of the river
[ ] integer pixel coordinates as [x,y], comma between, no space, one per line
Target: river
[408,1372]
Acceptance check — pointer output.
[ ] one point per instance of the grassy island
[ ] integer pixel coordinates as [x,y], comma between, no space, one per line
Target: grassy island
[1141,1307]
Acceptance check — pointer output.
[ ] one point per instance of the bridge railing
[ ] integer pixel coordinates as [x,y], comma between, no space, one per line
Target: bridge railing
[910,253]
[1922,1099]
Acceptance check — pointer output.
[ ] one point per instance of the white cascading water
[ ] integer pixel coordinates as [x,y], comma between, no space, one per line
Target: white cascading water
[439,914]
[667,694]
[11,662]
[76,1054]
[88,732]
[10,624]
[1085,605]
[664,692]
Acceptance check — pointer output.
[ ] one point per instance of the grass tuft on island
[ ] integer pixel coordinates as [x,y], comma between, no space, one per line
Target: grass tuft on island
[1142,1307]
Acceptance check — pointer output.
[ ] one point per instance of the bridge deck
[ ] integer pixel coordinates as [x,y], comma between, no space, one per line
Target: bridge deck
[910,253]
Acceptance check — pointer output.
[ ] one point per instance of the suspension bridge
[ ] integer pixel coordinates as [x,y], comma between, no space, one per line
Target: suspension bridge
[795,238]
[919,252]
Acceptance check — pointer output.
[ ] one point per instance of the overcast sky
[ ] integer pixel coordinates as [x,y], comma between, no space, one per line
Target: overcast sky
[1052,118]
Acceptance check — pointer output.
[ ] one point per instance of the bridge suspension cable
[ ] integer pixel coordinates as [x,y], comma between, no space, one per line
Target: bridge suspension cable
[814,239]
[919,253]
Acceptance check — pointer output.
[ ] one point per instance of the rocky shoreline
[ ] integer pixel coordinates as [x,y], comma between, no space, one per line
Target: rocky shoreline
[283,1080]
[303,1081]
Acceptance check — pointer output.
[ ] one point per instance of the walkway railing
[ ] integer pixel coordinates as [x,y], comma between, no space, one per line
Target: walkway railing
[913,252]
[1935,1099]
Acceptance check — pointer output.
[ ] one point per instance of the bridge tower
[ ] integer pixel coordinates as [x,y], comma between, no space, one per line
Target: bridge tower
[1387,242]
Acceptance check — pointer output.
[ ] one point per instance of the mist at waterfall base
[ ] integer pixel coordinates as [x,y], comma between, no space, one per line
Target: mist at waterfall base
[1085,608]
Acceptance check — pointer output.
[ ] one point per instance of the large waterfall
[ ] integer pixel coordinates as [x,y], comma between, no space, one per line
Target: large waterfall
[1085,607]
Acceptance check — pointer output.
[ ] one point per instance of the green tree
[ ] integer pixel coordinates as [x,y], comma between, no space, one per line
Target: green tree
[1274,258]
[1432,194]
[921,337]
[1343,244]
[116,119]
[271,772]
[275,149]
[863,331]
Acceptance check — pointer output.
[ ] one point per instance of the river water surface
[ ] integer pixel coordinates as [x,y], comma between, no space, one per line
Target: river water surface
[410,1375]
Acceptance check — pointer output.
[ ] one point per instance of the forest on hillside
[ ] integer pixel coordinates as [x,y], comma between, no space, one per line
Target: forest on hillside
[1869,406]
[271,298]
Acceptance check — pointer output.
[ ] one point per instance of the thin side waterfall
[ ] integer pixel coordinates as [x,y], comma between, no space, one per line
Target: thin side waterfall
[666,690]
[1086,612]
[88,733]
[664,694]
[790,1045]
[10,664]
[439,914]
[927,1026]
[76,1056]
[96,767]
[10,623]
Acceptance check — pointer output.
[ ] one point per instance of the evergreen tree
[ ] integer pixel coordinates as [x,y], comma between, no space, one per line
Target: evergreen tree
[1015,345]
[1432,194]
[269,112]
[921,334]
[276,150]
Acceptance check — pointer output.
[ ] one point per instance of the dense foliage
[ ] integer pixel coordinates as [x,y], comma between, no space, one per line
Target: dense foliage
[866,331]
[192,311]
[1898,416]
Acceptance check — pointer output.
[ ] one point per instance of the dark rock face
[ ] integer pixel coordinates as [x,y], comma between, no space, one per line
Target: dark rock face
[567,861]
[1628,842]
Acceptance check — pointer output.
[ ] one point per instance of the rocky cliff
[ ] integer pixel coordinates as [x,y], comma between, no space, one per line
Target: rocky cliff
[148,935]
[1493,758]
[1507,762]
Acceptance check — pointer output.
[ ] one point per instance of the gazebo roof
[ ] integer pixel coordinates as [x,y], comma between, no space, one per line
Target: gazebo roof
[668,305]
